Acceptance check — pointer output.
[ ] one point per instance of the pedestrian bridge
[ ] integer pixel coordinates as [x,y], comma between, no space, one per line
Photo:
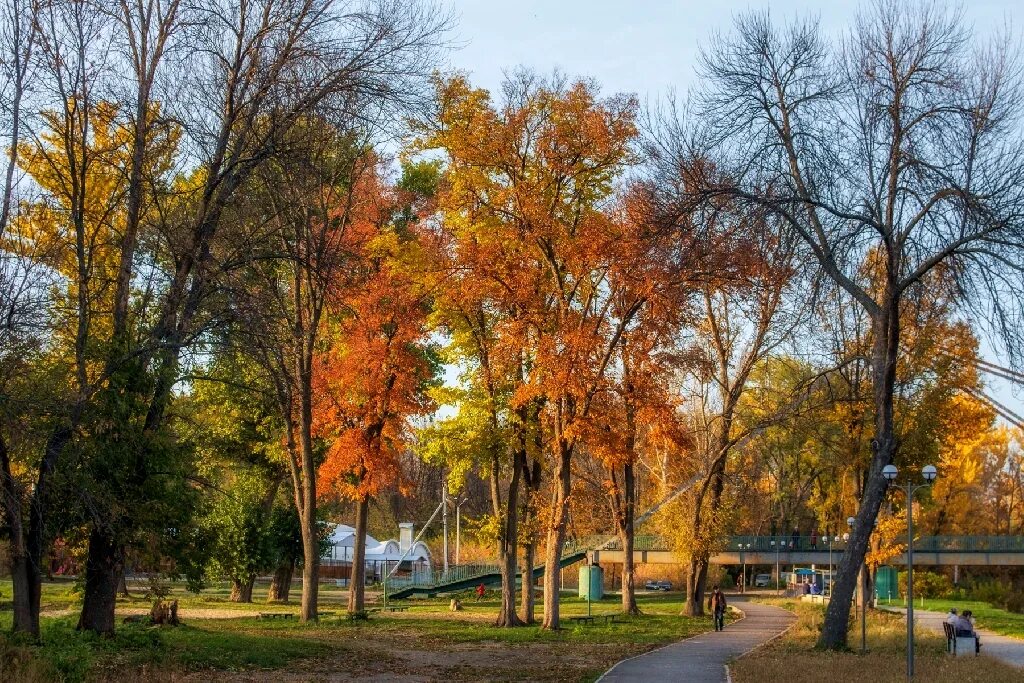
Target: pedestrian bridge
[965,551]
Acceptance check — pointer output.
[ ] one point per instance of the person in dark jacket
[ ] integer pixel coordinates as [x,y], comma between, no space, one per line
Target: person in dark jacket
[717,605]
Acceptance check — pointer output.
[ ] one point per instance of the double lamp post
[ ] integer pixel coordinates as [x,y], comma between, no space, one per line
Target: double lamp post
[928,473]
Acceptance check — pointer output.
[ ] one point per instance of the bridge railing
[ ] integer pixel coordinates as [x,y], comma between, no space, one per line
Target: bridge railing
[936,544]
[458,572]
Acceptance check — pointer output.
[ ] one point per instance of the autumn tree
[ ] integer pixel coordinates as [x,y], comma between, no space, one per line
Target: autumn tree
[526,180]
[141,260]
[898,144]
[374,372]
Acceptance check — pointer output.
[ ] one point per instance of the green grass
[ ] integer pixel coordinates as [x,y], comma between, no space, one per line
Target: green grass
[988,617]
[427,629]
[793,657]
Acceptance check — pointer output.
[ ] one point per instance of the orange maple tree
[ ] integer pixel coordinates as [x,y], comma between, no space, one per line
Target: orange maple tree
[370,377]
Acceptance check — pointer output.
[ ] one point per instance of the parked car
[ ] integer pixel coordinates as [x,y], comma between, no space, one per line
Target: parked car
[658,585]
[762,580]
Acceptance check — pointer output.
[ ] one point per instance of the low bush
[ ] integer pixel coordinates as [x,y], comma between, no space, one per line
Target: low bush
[928,585]
[991,592]
[1014,602]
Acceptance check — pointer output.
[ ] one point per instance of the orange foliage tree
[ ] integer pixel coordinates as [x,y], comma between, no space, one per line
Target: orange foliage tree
[372,373]
[527,202]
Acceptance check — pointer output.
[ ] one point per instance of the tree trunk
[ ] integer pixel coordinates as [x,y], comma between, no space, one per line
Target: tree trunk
[627,536]
[884,354]
[281,585]
[508,540]
[700,557]
[103,566]
[527,598]
[241,588]
[307,515]
[556,538]
[122,585]
[357,582]
[531,476]
[25,620]
[696,585]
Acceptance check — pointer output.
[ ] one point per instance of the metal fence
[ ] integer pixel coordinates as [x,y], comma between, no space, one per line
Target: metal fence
[932,544]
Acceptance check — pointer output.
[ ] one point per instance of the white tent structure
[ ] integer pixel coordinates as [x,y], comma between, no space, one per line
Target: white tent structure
[381,556]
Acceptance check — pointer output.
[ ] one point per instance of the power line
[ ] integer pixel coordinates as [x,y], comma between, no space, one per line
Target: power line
[1001,410]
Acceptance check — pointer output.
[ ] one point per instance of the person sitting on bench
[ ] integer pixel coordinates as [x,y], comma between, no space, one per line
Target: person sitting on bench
[965,629]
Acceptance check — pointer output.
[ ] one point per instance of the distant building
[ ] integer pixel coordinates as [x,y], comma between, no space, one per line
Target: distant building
[413,558]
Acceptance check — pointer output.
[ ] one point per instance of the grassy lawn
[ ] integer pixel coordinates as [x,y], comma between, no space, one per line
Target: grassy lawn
[793,658]
[989,617]
[427,640]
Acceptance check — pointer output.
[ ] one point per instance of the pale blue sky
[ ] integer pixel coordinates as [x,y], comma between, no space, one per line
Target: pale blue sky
[645,46]
[649,46]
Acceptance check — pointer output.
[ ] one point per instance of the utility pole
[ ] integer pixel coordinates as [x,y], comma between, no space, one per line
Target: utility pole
[458,530]
[444,522]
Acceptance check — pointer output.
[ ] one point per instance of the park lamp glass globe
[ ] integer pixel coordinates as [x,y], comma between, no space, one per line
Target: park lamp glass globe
[929,473]
[890,472]
[850,521]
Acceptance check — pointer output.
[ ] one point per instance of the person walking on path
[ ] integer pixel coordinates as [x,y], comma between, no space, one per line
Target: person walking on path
[480,592]
[794,543]
[717,605]
[814,539]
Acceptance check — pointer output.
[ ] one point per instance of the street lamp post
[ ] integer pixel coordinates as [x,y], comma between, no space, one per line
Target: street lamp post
[778,574]
[928,473]
[830,544]
[743,559]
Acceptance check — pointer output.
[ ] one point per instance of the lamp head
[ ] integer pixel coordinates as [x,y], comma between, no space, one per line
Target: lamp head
[850,521]
[890,472]
[929,473]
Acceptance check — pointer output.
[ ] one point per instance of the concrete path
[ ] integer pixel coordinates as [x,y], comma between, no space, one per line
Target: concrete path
[1009,650]
[702,659]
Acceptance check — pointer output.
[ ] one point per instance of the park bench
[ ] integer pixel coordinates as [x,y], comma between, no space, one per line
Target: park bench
[395,608]
[582,620]
[609,618]
[275,615]
[959,646]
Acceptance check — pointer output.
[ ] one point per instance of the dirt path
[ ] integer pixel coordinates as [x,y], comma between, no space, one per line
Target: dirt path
[184,612]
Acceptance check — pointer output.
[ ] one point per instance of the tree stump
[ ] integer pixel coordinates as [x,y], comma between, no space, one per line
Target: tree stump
[164,613]
[455,605]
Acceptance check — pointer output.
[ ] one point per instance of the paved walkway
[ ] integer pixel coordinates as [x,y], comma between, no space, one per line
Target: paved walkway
[1005,648]
[702,659]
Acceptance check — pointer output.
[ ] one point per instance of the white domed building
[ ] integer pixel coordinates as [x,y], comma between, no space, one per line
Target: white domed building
[412,557]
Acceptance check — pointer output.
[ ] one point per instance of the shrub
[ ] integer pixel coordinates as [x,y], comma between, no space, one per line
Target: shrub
[992,592]
[927,584]
[1014,602]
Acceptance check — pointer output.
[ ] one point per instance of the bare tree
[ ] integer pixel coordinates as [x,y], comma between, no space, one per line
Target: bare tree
[744,321]
[899,149]
[19,293]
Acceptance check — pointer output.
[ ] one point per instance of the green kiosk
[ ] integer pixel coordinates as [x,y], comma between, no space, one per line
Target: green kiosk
[887,585]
